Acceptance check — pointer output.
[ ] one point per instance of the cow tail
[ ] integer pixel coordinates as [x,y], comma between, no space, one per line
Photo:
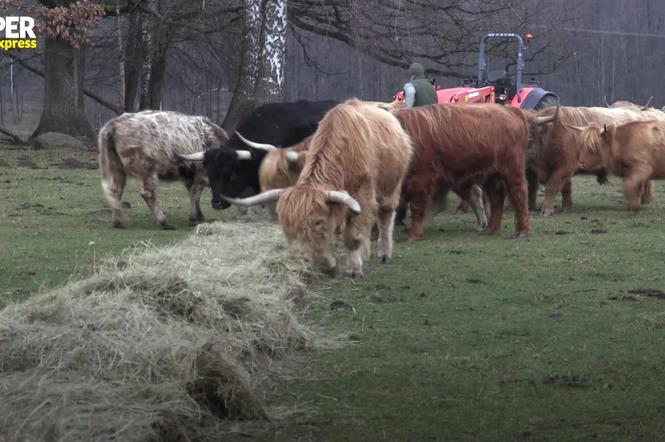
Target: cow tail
[110,167]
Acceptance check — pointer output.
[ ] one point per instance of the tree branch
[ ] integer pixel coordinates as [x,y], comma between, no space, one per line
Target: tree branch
[88,93]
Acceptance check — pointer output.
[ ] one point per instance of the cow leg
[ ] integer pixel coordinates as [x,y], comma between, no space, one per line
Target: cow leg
[357,237]
[476,201]
[400,214]
[195,187]
[497,196]
[517,191]
[632,191]
[532,180]
[355,243]
[567,196]
[419,206]
[148,185]
[385,243]
[647,192]
[113,190]
[552,189]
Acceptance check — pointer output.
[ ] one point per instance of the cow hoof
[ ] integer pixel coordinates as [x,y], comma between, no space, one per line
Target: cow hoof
[118,225]
[547,212]
[385,259]
[521,235]
[167,226]
[480,229]
[195,221]
[354,274]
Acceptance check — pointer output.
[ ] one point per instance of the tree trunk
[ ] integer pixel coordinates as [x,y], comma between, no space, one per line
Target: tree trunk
[271,73]
[261,70]
[133,60]
[147,31]
[63,110]
[158,66]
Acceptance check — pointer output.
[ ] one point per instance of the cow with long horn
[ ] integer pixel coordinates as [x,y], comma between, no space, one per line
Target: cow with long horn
[233,168]
[153,146]
[352,174]
[554,147]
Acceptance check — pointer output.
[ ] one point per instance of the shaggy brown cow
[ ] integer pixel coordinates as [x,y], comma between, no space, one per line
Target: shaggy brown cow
[456,147]
[146,145]
[355,165]
[554,148]
[634,151]
[281,168]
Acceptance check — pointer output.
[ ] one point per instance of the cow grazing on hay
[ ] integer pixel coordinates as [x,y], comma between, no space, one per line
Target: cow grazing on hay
[233,168]
[634,151]
[554,148]
[147,145]
[456,147]
[353,172]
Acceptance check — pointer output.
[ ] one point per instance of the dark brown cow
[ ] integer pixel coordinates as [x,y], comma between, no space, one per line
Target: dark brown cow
[456,147]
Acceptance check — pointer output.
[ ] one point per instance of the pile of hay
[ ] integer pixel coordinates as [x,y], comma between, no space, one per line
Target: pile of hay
[161,344]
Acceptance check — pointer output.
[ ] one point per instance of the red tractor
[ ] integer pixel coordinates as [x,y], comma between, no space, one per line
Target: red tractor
[496,86]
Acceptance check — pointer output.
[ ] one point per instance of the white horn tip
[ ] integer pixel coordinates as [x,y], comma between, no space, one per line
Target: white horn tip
[355,206]
[292,156]
[198,156]
[244,154]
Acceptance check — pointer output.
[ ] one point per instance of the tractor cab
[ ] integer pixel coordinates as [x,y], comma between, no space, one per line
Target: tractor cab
[497,85]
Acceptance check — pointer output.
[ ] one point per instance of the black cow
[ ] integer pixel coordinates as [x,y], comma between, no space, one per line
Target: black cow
[231,170]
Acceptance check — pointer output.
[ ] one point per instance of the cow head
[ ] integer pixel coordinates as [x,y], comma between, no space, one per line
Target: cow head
[310,217]
[596,141]
[540,126]
[229,172]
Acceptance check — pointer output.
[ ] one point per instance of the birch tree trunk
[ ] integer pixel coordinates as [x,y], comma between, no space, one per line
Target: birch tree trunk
[133,59]
[147,31]
[271,74]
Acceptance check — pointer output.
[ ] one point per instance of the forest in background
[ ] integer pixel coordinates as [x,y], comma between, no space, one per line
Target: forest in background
[221,58]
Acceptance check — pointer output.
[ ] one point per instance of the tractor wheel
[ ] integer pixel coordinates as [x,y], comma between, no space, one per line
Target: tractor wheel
[545,102]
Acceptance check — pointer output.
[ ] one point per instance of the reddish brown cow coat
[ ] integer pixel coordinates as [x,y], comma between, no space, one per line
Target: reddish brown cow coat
[456,147]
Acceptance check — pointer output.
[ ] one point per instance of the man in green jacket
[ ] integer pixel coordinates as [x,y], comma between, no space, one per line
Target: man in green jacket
[418,91]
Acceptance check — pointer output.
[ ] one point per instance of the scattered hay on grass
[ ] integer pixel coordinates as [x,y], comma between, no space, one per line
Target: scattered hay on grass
[159,344]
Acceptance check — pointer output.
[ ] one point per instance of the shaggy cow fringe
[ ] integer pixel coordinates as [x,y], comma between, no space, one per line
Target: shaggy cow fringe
[157,344]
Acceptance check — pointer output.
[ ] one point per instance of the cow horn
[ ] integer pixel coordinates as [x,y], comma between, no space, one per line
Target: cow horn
[292,157]
[605,100]
[549,118]
[244,154]
[335,196]
[261,146]
[263,197]
[577,128]
[198,156]
[646,106]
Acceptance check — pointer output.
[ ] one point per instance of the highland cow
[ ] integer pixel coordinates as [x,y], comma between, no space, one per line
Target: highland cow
[147,145]
[352,174]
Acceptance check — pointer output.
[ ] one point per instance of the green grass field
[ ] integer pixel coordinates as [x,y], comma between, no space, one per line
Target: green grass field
[462,337]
